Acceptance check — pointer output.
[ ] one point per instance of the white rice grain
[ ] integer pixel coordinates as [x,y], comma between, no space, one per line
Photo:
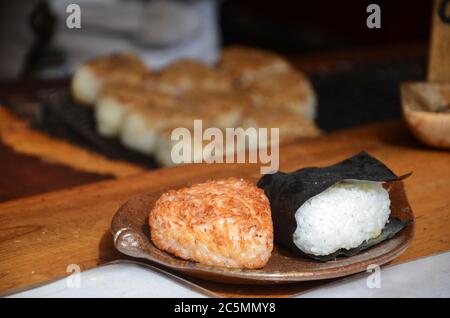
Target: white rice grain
[342,217]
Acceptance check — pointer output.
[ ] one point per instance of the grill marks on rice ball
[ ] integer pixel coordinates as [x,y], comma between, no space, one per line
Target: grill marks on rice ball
[223,223]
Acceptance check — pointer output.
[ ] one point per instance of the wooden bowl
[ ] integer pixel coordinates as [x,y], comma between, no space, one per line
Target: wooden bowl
[426,109]
[132,237]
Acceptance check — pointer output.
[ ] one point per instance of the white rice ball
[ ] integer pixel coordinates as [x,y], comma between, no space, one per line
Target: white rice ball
[342,217]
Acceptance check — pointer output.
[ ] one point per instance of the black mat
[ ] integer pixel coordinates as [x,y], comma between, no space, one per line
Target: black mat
[61,117]
[362,93]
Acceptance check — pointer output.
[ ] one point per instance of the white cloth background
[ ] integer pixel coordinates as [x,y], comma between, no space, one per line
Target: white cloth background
[159,31]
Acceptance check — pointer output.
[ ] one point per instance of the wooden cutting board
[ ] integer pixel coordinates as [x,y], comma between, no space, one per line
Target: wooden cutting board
[41,235]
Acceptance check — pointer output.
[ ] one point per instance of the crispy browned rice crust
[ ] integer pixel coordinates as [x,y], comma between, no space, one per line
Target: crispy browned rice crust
[223,223]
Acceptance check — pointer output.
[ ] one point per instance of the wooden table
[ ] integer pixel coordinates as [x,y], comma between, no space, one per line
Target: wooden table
[27,169]
[42,232]
[40,235]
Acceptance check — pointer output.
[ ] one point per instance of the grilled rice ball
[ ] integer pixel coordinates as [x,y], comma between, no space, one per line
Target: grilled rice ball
[142,125]
[210,151]
[244,64]
[189,75]
[225,109]
[117,99]
[291,126]
[222,223]
[89,79]
[290,90]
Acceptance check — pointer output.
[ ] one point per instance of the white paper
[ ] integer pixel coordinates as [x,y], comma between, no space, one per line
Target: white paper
[121,280]
[425,277]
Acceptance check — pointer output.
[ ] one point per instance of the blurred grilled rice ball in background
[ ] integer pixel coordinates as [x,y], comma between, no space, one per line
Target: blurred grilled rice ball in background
[121,68]
[248,88]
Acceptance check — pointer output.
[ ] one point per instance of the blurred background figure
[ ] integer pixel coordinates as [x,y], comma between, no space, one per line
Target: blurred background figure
[16,36]
[37,42]
[159,31]
[329,40]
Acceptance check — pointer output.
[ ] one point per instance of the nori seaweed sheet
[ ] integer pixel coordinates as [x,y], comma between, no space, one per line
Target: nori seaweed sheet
[288,191]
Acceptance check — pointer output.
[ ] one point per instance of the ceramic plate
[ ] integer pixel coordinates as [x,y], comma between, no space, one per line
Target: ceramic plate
[132,237]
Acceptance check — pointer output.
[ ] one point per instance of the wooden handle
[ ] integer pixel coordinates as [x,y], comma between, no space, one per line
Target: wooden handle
[439,63]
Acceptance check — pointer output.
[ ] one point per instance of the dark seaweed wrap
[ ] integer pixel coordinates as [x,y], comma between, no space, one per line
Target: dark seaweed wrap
[288,191]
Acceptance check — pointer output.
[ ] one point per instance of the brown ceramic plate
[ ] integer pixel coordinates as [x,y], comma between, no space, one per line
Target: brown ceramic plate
[132,237]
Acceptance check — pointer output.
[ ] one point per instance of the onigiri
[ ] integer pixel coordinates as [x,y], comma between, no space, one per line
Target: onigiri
[342,217]
[328,212]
